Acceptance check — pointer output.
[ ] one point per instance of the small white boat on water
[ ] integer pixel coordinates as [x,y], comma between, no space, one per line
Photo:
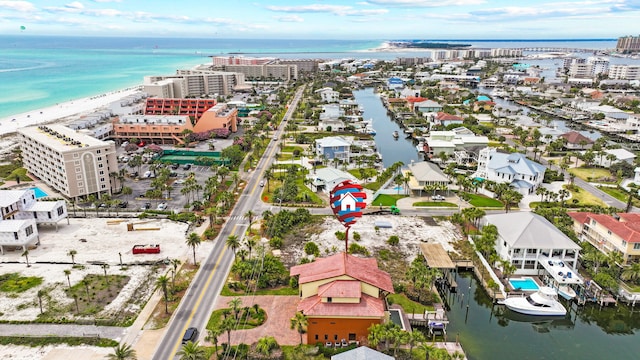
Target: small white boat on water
[544,302]
[395,134]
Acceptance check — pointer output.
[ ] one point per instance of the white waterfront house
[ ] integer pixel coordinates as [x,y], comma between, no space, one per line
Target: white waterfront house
[22,213]
[328,95]
[514,169]
[526,239]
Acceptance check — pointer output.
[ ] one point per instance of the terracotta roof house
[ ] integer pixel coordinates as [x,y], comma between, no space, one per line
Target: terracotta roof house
[577,141]
[444,119]
[342,296]
[620,232]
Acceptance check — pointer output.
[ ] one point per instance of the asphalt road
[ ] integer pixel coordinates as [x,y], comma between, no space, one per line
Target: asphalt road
[199,300]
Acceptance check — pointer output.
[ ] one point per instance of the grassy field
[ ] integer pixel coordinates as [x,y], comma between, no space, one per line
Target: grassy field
[434,203]
[590,173]
[409,306]
[586,198]
[619,194]
[483,201]
[365,174]
[387,200]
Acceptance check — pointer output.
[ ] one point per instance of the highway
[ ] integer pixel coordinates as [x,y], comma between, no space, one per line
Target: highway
[198,302]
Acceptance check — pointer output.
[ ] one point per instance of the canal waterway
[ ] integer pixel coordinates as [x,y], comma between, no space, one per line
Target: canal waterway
[492,332]
[391,149]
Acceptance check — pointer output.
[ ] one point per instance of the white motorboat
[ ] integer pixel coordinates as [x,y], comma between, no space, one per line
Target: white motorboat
[543,302]
[566,292]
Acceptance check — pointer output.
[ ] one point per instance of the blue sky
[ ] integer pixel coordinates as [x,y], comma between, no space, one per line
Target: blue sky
[326,19]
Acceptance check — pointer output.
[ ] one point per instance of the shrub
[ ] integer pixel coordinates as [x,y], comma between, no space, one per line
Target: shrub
[358,249]
[393,240]
[276,242]
[311,248]
[340,235]
[356,236]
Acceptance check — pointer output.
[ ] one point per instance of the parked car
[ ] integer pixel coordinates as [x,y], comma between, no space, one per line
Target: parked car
[437,197]
[162,206]
[123,204]
[146,206]
[147,174]
[175,166]
[187,166]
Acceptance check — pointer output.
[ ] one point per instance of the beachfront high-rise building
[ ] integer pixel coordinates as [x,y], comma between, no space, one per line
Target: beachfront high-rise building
[74,164]
[628,44]
[624,72]
[194,82]
[239,60]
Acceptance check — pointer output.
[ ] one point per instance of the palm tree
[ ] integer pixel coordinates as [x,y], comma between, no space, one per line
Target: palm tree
[192,351]
[105,267]
[631,273]
[228,325]
[67,272]
[299,324]
[26,256]
[233,242]
[162,282]
[175,263]
[249,215]
[251,243]
[40,294]
[122,352]
[193,240]
[266,345]
[212,336]
[73,254]
[234,304]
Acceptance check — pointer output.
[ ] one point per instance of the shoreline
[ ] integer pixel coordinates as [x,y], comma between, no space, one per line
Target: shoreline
[76,107]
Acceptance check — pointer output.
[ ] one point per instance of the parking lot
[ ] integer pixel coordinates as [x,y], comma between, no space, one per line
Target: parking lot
[141,183]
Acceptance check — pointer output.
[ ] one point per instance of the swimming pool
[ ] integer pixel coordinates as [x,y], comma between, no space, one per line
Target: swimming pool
[396,317]
[39,192]
[526,284]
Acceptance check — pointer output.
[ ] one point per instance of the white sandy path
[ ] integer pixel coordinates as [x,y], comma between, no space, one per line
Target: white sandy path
[73,107]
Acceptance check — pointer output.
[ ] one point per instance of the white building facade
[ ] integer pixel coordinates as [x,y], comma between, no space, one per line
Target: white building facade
[514,169]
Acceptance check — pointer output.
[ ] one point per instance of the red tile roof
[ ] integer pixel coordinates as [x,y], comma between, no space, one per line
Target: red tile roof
[627,228]
[574,137]
[447,117]
[367,307]
[416,99]
[362,269]
[579,216]
[340,289]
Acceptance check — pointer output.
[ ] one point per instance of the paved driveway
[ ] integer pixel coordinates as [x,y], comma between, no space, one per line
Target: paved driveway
[280,310]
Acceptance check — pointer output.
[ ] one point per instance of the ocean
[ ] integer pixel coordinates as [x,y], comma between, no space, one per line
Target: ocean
[40,71]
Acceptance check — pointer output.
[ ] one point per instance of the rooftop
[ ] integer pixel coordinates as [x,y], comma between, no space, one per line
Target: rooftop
[61,138]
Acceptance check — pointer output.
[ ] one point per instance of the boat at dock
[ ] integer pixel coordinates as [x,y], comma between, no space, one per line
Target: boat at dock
[543,302]
[561,277]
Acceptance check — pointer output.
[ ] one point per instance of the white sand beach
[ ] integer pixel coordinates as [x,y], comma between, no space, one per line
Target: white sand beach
[59,111]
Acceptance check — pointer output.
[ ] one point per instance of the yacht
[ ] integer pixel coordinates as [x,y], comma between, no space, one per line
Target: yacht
[543,302]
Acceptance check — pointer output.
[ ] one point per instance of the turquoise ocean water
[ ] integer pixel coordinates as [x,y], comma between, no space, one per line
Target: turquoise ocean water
[37,71]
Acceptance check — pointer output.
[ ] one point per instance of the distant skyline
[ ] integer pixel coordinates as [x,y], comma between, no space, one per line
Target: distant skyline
[325,19]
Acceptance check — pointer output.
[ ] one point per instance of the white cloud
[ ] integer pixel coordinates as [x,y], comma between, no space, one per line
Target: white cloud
[23,6]
[289,18]
[330,9]
[106,1]
[75,5]
[426,3]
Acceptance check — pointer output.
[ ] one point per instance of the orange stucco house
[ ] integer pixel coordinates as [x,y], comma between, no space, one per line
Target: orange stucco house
[342,296]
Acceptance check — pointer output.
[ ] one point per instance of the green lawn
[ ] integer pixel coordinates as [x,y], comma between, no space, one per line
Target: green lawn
[409,306]
[588,174]
[281,291]
[250,319]
[483,201]
[387,200]
[290,149]
[619,194]
[585,198]
[364,174]
[434,203]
